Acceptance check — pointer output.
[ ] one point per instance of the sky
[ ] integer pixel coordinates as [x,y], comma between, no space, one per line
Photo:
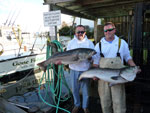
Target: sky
[29,15]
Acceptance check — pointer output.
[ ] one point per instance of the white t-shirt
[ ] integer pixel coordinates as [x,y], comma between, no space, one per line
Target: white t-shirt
[110,50]
[75,43]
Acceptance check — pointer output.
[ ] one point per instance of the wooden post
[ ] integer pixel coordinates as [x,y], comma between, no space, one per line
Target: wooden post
[54,36]
[138,51]
[95,30]
[54,50]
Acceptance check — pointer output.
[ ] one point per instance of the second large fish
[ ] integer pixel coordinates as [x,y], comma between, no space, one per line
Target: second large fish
[68,57]
[113,76]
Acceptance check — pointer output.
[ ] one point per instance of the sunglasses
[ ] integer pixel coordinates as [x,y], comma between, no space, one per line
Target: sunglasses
[80,32]
[109,29]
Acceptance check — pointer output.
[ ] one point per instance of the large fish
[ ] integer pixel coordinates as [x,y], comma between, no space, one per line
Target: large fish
[68,57]
[113,76]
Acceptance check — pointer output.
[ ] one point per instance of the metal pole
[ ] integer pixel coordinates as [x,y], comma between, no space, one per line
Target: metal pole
[54,50]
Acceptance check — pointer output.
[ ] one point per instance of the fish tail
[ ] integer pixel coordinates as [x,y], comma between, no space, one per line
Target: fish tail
[42,66]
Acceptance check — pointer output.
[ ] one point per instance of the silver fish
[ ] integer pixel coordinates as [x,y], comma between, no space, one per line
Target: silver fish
[113,76]
[6,107]
[68,57]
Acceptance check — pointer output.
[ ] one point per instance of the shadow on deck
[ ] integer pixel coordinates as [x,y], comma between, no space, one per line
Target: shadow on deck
[137,100]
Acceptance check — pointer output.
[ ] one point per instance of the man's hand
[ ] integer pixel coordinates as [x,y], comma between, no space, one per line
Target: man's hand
[95,65]
[95,78]
[90,58]
[139,70]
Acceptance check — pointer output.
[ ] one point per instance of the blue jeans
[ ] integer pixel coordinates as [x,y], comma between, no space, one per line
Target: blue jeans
[76,85]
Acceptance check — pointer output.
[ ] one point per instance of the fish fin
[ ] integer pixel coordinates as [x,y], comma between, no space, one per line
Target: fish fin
[93,68]
[120,72]
[42,66]
[115,77]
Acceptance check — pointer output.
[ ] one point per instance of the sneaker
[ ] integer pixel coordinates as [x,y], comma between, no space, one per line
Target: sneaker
[86,111]
[75,110]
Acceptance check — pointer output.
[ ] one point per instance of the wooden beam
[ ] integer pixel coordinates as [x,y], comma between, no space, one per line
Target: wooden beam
[57,1]
[89,2]
[92,2]
[73,13]
[92,9]
[104,5]
[105,12]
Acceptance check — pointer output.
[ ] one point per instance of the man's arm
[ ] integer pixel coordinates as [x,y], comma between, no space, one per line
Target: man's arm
[131,62]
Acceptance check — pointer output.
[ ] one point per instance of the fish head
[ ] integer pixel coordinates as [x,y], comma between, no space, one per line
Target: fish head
[90,53]
[93,52]
[135,69]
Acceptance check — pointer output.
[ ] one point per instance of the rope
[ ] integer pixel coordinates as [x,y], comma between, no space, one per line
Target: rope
[2,49]
[49,77]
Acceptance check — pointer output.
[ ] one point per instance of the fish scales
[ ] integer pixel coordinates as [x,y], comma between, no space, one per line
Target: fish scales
[68,57]
[113,76]
[63,57]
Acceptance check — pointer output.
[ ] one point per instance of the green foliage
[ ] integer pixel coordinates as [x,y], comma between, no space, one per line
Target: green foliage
[66,31]
[90,34]
[69,31]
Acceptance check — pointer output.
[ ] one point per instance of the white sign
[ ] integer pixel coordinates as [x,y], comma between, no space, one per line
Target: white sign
[52,18]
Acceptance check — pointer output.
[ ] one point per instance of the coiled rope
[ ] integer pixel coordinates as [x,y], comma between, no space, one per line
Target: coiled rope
[49,77]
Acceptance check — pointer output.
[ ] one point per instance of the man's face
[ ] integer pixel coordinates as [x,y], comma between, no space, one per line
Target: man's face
[109,32]
[80,33]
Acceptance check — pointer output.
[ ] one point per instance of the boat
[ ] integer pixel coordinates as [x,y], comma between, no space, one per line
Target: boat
[20,77]
[19,53]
